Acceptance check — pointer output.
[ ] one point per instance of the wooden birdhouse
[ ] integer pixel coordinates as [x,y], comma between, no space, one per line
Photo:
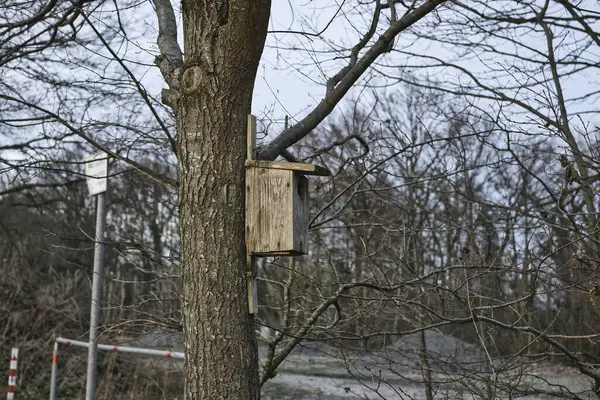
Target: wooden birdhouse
[276,210]
[277,207]
[276,203]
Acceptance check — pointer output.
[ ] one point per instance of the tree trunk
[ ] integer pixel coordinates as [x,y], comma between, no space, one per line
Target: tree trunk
[223,42]
[425,368]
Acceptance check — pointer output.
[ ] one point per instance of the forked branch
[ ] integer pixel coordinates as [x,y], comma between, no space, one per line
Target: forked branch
[171,58]
[334,95]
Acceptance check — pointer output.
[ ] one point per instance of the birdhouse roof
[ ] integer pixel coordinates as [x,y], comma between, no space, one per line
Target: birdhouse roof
[305,169]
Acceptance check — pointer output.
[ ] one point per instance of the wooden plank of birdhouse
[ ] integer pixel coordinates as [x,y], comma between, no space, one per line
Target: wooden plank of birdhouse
[269,211]
[300,208]
[305,169]
[252,287]
[250,258]
[251,141]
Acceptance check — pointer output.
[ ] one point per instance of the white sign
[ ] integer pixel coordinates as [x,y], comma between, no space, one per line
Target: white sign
[96,171]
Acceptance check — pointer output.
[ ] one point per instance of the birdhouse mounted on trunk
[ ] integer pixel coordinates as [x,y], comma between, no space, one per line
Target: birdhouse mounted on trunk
[276,203]
[277,207]
[276,210]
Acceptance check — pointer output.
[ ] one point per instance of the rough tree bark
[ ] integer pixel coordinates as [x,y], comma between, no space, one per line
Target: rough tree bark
[211,94]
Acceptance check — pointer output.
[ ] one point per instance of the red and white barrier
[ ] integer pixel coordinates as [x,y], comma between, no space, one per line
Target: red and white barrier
[123,349]
[12,374]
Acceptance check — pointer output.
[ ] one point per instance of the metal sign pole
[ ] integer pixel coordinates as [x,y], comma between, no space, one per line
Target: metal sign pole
[97,171]
[90,389]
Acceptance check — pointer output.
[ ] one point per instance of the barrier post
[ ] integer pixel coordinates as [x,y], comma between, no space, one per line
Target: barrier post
[54,377]
[12,374]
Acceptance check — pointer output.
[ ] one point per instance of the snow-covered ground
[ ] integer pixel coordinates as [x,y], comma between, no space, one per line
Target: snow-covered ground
[330,383]
[317,371]
[459,372]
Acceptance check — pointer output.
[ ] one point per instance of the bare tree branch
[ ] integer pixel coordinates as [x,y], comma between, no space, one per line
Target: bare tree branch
[333,97]
[79,132]
[171,57]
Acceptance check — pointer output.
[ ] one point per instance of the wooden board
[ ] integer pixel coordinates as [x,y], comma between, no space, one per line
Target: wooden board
[300,199]
[270,216]
[251,139]
[252,287]
[250,259]
[305,169]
